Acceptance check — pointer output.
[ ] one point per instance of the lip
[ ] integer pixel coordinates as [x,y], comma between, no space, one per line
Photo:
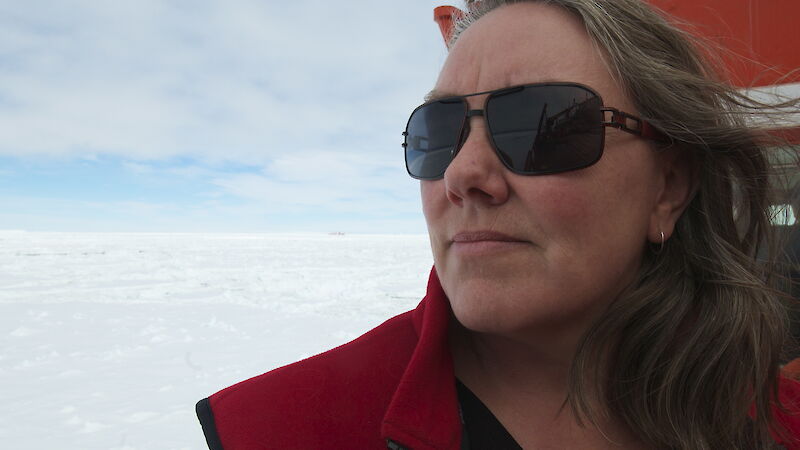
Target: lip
[482,236]
[484,243]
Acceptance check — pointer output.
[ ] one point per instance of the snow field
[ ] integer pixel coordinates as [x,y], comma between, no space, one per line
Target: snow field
[108,340]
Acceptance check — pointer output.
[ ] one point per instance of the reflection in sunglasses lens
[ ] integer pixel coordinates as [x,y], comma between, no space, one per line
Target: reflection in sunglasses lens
[432,136]
[546,129]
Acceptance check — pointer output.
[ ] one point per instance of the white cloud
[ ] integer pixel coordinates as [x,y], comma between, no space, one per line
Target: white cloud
[243,115]
[240,81]
[326,182]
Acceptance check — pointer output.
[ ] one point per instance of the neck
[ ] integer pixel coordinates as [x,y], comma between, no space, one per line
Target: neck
[510,366]
[524,383]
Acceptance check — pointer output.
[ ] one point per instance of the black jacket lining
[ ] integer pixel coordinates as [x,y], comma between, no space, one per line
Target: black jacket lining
[482,430]
[203,409]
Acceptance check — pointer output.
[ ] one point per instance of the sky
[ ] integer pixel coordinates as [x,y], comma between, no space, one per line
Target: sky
[211,116]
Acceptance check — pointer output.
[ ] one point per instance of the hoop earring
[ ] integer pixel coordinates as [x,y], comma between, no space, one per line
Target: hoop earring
[661,247]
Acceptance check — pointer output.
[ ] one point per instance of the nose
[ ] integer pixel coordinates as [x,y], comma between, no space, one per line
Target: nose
[476,174]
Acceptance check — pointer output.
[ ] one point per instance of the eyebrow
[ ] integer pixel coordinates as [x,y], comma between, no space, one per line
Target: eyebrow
[435,94]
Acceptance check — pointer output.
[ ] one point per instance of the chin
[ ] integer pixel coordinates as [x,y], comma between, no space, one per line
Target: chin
[489,312]
[523,310]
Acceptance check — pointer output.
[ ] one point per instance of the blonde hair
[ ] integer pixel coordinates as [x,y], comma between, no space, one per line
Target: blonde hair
[684,353]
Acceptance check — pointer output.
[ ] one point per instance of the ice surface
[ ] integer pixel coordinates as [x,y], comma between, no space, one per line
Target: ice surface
[108,340]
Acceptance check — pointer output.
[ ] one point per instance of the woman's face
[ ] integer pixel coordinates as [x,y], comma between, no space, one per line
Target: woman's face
[580,235]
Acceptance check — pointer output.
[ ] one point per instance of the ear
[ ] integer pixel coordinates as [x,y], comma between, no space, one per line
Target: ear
[679,175]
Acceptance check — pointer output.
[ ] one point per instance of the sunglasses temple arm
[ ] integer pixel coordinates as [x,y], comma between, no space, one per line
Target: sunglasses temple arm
[652,133]
[621,121]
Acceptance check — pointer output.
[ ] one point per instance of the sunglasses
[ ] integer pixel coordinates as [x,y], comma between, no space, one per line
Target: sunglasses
[535,129]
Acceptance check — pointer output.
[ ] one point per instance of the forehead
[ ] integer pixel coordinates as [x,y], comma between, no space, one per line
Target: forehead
[525,43]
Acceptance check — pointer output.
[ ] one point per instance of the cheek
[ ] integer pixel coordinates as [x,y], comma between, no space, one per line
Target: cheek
[428,192]
[561,201]
[586,218]
[592,238]
[564,209]
[434,206]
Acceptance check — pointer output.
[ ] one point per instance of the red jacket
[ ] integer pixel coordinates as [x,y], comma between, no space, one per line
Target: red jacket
[394,386]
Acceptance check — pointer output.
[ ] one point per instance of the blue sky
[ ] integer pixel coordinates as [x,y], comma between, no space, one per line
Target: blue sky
[211,116]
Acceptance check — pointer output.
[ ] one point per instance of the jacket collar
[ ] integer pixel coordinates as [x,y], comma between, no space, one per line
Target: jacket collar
[423,413]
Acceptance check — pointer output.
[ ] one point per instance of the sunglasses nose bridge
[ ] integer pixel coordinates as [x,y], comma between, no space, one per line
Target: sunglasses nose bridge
[466,129]
[484,137]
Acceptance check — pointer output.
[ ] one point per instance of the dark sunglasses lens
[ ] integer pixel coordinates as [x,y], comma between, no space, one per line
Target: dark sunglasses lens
[432,136]
[546,129]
